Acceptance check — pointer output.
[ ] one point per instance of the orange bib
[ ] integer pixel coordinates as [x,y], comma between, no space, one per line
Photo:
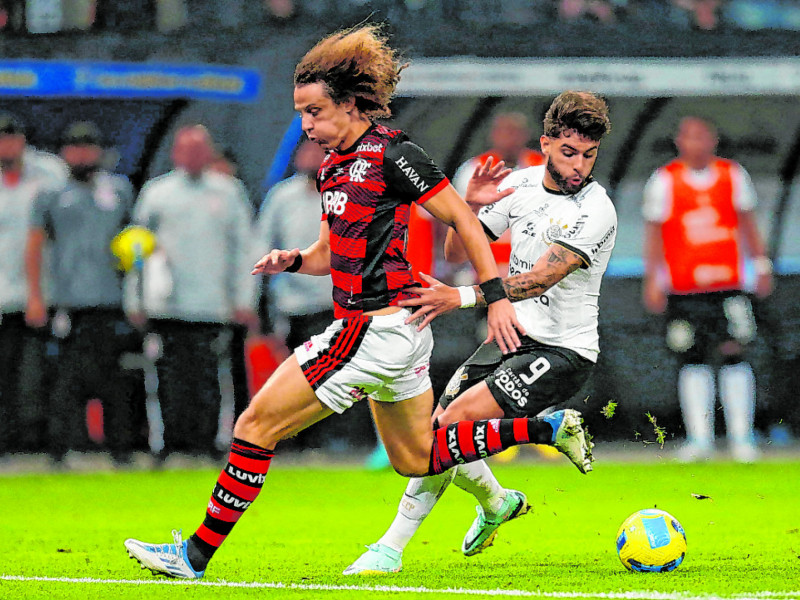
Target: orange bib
[701,244]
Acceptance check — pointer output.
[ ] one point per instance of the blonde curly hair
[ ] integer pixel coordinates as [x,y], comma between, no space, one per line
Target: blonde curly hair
[354,63]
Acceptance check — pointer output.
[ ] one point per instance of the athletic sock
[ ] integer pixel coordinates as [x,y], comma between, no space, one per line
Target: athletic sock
[468,441]
[477,479]
[697,396]
[421,495]
[737,386]
[238,485]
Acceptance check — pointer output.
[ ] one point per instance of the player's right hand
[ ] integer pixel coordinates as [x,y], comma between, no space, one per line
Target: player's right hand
[275,262]
[482,186]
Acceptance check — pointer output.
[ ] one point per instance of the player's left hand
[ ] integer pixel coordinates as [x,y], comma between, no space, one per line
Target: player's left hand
[433,301]
[482,186]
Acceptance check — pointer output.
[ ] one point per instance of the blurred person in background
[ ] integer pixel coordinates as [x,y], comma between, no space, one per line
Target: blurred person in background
[602,11]
[225,163]
[700,226]
[195,282]
[703,15]
[304,301]
[24,174]
[78,223]
[509,137]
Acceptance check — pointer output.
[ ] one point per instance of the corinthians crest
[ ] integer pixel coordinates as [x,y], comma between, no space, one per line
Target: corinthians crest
[554,231]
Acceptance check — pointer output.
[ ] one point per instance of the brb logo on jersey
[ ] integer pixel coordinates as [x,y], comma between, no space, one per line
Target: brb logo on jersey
[358,169]
[334,202]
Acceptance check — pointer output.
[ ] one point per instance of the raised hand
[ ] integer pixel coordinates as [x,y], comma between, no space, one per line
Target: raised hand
[482,186]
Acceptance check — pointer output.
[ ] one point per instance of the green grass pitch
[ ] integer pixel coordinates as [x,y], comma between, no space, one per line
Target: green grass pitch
[62,534]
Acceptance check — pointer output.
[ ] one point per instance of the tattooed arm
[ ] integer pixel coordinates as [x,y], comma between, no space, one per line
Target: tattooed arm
[555,264]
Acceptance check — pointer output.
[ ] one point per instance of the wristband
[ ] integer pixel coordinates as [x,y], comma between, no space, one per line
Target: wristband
[762,265]
[493,290]
[295,266]
[468,296]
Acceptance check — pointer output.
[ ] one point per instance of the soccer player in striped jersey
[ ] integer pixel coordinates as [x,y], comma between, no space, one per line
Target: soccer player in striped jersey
[367,182]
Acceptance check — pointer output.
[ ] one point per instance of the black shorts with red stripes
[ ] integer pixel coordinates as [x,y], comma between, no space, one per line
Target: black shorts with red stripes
[534,378]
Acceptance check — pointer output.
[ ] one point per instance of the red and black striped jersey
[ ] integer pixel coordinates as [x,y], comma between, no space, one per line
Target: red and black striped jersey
[367,191]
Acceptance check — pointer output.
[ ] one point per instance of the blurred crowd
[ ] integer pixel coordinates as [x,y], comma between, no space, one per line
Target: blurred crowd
[50,16]
[126,321]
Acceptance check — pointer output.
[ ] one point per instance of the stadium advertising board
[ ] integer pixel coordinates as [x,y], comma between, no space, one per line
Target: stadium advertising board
[40,78]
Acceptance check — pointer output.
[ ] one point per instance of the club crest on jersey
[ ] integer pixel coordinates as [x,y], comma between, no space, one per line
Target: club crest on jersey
[358,169]
[554,231]
[412,175]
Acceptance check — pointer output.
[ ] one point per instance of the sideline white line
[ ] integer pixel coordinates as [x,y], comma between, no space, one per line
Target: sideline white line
[643,595]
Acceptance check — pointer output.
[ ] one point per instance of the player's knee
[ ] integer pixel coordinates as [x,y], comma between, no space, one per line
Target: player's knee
[411,466]
[251,427]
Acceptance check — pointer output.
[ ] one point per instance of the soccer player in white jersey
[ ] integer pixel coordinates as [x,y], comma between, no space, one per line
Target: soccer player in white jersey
[563,227]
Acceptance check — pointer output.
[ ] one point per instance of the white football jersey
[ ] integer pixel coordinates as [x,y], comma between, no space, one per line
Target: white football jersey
[585,223]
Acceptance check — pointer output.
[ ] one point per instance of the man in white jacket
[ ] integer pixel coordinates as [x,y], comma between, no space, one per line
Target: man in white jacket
[197,281]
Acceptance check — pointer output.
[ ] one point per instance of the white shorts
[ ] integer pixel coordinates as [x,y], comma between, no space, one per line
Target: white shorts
[379,357]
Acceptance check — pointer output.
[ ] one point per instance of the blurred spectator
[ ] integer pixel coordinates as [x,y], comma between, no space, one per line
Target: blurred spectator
[508,137]
[302,301]
[43,16]
[196,281]
[702,14]
[171,15]
[78,222]
[24,174]
[225,163]
[279,10]
[763,14]
[700,225]
[598,10]
[12,15]
[79,14]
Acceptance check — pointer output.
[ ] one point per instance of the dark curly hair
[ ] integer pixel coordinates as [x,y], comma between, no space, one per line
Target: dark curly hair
[584,112]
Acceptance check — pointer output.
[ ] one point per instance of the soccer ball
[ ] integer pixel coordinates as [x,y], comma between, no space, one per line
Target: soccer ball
[651,540]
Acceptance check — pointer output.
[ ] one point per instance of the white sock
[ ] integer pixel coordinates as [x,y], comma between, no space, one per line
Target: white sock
[697,398]
[737,387]
[421,495]
[477,479]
